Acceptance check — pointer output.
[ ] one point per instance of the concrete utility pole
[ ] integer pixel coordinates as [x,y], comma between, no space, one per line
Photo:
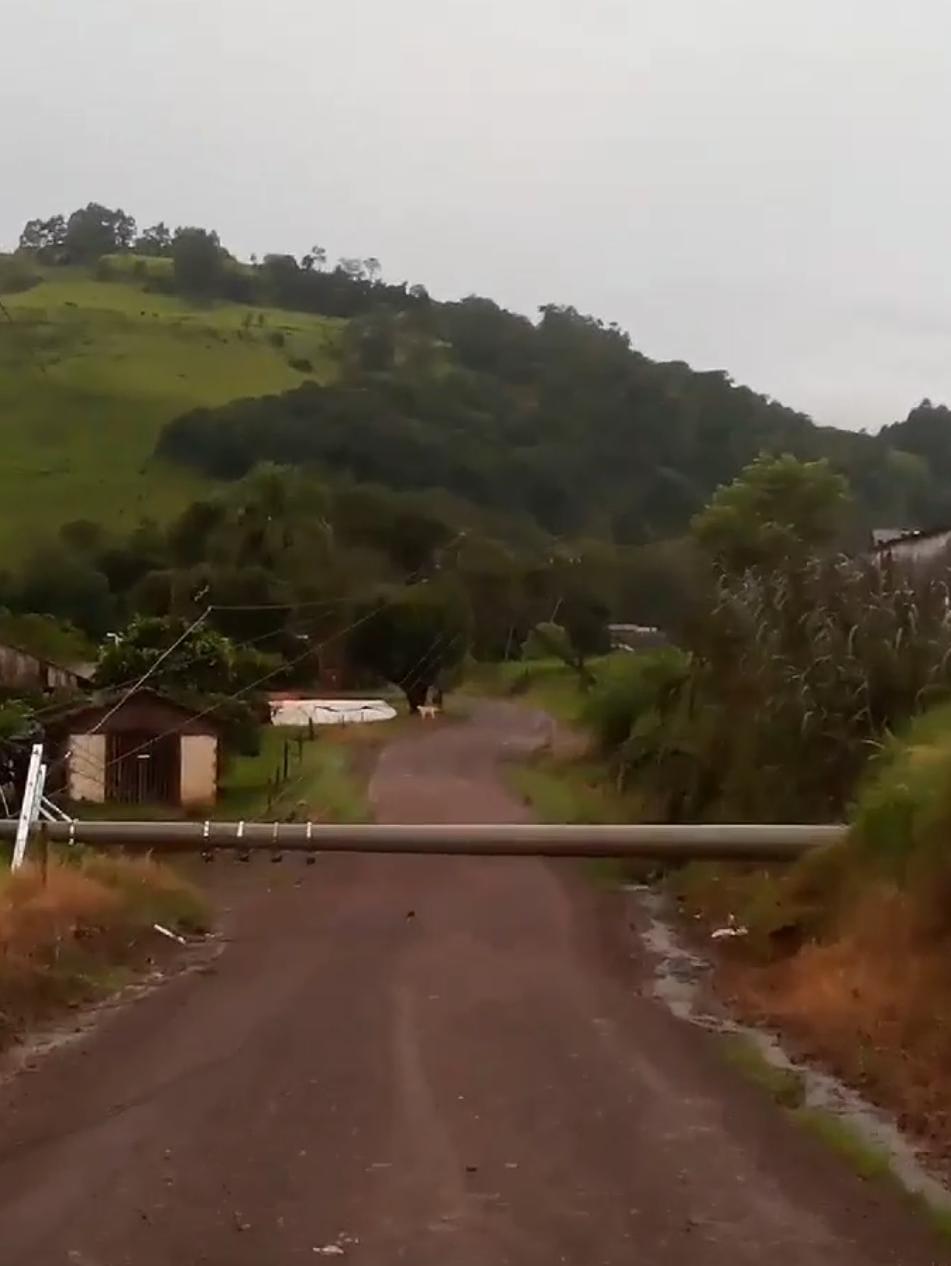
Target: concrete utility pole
[30,804]
[713,842]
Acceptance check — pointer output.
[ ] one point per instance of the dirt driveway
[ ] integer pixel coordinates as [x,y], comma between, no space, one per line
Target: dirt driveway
[426,1061]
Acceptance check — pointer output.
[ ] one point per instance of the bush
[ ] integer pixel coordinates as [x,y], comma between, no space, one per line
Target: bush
[629,688]
[16,275]
[902,819]
[301,364]
[545,640]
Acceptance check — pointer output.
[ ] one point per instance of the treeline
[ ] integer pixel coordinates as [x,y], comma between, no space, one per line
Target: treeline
[290,564]
[560,420]
[200,267]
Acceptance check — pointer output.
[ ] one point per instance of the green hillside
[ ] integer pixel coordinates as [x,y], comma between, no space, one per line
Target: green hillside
[91,370]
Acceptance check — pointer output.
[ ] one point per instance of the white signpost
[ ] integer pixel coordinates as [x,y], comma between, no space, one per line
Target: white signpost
[30,806]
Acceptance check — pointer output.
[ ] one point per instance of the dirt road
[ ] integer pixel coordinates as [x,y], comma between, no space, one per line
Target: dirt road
[426,1061]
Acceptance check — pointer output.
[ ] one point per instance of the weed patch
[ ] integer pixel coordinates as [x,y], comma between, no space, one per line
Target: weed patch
[785,1086]
[82,931]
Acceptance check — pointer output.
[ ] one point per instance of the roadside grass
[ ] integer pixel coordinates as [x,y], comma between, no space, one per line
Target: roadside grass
[563,784]
[548,683]
[89,368]
[786,1088]
[323,780]
[572,791]
[568,791]
[328,778]
[84,930]
[864,1158]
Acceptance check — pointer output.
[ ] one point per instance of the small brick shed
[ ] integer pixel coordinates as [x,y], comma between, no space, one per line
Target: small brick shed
[151,750]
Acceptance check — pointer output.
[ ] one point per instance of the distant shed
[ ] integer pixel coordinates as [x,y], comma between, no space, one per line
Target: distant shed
[914,551]
[22,670]
[150,750]
[635,637]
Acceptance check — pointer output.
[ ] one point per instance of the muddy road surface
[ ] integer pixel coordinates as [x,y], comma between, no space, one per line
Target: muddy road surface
[428,1061]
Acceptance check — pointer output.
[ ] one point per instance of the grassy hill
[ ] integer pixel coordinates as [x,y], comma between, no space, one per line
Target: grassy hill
[91,370]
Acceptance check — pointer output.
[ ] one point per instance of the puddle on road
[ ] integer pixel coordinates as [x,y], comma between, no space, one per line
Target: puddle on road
[680,982]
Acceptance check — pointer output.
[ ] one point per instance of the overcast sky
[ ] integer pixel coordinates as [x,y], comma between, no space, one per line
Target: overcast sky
[761,186]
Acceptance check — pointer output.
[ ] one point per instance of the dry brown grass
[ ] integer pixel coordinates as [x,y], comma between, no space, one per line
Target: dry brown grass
[874,1003]
[77,932]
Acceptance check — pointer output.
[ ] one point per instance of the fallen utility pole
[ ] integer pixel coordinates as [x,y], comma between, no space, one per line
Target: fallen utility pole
[710,842]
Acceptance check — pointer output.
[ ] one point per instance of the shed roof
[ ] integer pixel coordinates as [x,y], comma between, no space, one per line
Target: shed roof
[92,711]
[886,538]
[79,671]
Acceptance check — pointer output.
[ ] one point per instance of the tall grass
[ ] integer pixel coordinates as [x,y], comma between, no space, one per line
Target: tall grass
[631,691]
[795,679]
[849,949]
[903,811]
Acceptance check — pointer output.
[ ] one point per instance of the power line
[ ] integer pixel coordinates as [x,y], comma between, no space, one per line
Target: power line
[243,644]
[251,686]
[150,670]
[251,641]
[281,606]
[418,675]
[411,671]
[98,766]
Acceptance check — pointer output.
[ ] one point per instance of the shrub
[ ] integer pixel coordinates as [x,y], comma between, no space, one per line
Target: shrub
[902,819]
[301,364]
[629,688]
[545,640]
[16,275]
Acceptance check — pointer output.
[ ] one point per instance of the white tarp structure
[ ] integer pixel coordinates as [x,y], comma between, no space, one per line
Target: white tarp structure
[330,711]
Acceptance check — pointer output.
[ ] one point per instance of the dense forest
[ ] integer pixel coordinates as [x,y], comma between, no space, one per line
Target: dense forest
[560,420]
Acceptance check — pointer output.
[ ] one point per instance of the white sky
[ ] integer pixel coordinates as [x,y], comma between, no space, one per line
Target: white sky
[761,186]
